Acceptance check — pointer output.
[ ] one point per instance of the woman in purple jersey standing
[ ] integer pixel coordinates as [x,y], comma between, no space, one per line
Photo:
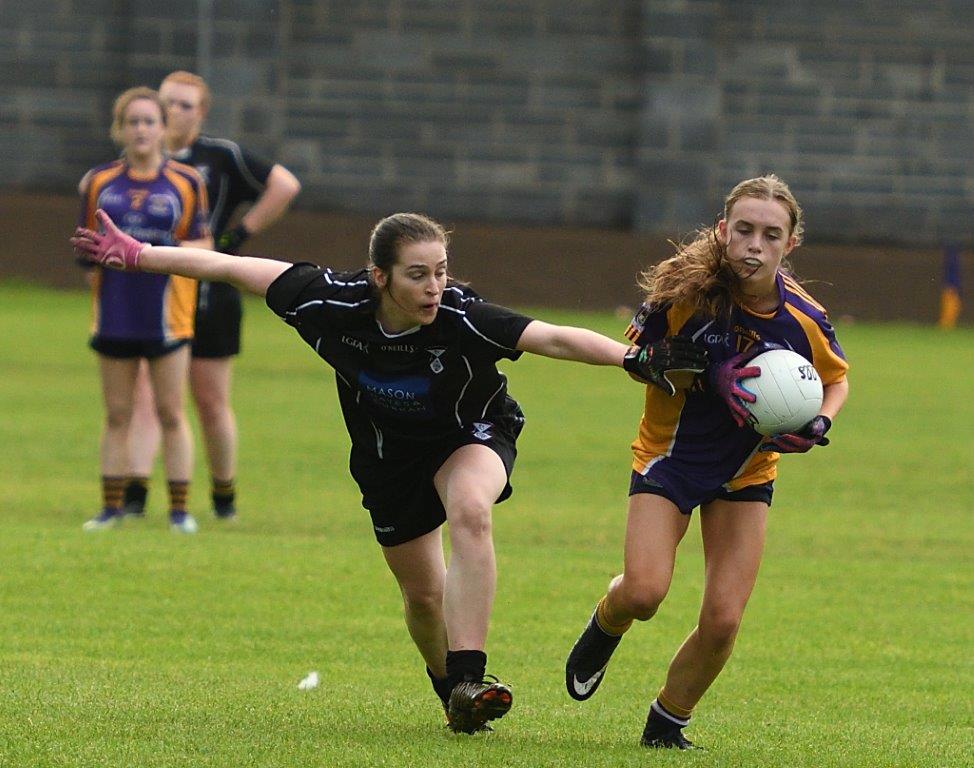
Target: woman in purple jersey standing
[144,316]
[731,292]
[432,427]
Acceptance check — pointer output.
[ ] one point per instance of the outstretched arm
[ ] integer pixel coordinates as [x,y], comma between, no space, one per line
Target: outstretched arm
[115,249]
[564,342]
[246,272]
[669,363]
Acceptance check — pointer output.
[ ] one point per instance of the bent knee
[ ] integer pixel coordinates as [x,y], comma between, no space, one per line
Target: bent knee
[645,606]
[719,626]
[643,599]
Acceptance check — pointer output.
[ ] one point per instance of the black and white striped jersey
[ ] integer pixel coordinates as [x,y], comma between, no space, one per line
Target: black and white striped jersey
[233,175]
[418,385]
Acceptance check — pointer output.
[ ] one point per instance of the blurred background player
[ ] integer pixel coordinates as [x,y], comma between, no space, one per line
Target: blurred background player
[732,293]
[433,429]
[233,176]
[144,317]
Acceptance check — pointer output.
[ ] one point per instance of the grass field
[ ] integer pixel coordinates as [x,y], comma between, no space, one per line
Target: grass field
[136,647]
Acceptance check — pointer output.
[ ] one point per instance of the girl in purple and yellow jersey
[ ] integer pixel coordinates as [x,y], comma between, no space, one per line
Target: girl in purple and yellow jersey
[139,315]
[728,293]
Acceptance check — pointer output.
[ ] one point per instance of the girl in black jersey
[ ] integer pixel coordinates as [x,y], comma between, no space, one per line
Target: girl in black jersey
[433,430]
[233,176]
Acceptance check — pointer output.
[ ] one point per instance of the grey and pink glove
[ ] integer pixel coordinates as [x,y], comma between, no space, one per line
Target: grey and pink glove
[801,440]
[111,248]
[725,380]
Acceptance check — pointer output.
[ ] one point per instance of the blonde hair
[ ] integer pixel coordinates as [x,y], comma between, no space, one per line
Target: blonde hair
[698,275]
[122,103]
[188,78]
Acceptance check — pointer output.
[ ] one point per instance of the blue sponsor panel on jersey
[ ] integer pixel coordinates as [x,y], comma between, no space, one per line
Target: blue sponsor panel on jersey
[404,396]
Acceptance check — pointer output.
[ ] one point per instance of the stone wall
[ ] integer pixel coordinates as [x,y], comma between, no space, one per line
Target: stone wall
[633,114]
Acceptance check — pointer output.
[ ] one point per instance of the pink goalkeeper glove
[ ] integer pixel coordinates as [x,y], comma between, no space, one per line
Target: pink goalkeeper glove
[112,249]
[725,380]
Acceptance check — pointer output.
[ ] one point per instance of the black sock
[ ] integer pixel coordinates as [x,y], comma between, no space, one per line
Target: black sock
[661,720]
[136,491]
[223,493]
[441,686]
[465,665]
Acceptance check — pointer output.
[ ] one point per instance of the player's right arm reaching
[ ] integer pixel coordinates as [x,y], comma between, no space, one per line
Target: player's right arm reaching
[115,248]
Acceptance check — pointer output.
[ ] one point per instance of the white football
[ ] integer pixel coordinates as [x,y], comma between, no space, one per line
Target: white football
[788,391]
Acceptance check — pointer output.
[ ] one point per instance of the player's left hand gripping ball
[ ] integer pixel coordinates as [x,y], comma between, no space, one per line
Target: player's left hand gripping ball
[725,379]
[666,362]
[111,248]
[802,440]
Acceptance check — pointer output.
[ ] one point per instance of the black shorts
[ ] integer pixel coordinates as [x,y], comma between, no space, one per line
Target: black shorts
[398,491]
[126,349]
[218,314]
[687,502]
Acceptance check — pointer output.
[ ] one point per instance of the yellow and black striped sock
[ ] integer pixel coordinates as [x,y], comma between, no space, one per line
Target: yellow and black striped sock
[178,493]
[112,491]
[616,630]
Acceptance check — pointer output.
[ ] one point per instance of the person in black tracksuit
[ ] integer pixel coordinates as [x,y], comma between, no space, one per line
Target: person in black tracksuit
[233,176]
[433,428]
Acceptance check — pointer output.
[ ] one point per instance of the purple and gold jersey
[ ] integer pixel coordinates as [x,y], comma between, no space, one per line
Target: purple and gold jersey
[692,434]
[162,209]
